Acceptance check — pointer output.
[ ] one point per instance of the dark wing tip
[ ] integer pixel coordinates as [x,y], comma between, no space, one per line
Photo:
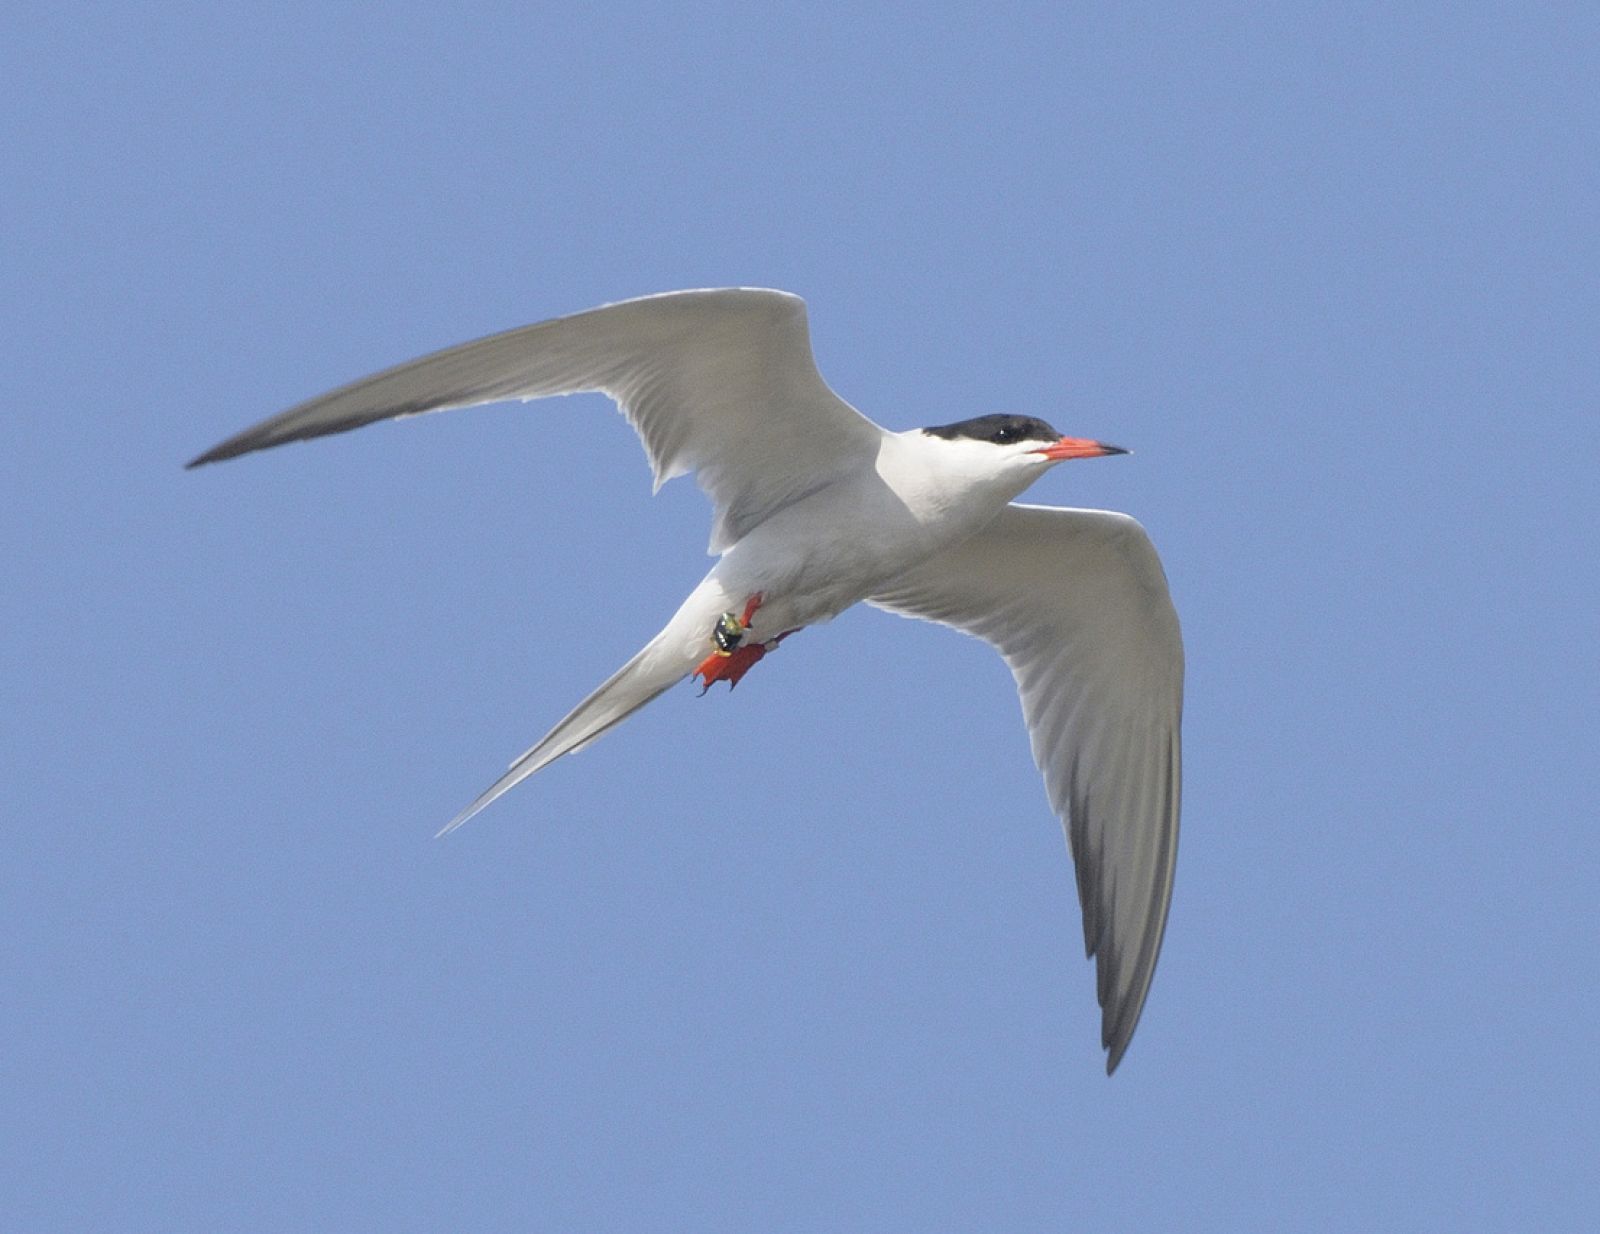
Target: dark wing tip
[1118,1035]
[1122,1000]
[233,447]
[280,431]
[213,455]
[218,454]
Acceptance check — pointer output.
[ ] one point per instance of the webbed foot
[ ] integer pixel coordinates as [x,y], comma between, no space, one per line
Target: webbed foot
[731,657]
[729,666]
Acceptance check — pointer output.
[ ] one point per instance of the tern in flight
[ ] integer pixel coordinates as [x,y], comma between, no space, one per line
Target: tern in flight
[816,508]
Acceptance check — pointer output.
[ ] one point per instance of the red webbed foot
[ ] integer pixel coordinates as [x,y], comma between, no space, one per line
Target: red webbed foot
[729,666]
[731,657]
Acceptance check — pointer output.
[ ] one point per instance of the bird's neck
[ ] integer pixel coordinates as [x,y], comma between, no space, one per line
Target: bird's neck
[942,482]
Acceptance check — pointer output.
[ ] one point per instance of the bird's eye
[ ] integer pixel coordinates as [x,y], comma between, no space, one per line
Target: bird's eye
[1007,434]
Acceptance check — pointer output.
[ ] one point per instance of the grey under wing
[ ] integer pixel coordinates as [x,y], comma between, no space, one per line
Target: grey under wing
[1077,604]
[720,382]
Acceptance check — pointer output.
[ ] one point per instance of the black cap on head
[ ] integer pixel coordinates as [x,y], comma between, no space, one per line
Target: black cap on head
[1003,430]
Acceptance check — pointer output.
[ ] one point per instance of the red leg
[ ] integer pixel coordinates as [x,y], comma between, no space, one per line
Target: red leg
[732,665]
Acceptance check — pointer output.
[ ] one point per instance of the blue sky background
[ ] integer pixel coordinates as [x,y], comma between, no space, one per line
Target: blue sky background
[806,957]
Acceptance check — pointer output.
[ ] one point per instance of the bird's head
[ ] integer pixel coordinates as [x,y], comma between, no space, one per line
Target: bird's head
[1015,446]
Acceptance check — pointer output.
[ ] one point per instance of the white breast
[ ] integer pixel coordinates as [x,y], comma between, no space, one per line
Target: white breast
[819,556]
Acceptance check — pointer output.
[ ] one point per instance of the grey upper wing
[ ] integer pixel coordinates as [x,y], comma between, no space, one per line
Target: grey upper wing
[1077,603]
[718,382]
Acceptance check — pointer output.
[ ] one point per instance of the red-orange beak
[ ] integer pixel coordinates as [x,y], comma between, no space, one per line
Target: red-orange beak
[1077,447]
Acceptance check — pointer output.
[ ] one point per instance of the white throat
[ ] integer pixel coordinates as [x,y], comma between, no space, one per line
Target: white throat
[961,480]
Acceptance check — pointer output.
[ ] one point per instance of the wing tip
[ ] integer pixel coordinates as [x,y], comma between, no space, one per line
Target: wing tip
[1117,1034]
[213,455]
[233,447]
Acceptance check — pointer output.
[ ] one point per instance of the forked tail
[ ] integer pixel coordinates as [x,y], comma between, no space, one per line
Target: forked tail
[641,679]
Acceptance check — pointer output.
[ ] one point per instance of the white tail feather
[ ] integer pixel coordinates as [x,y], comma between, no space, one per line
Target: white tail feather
[641,679]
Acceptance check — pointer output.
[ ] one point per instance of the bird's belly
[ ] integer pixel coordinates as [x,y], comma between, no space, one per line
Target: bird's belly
[812,562]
